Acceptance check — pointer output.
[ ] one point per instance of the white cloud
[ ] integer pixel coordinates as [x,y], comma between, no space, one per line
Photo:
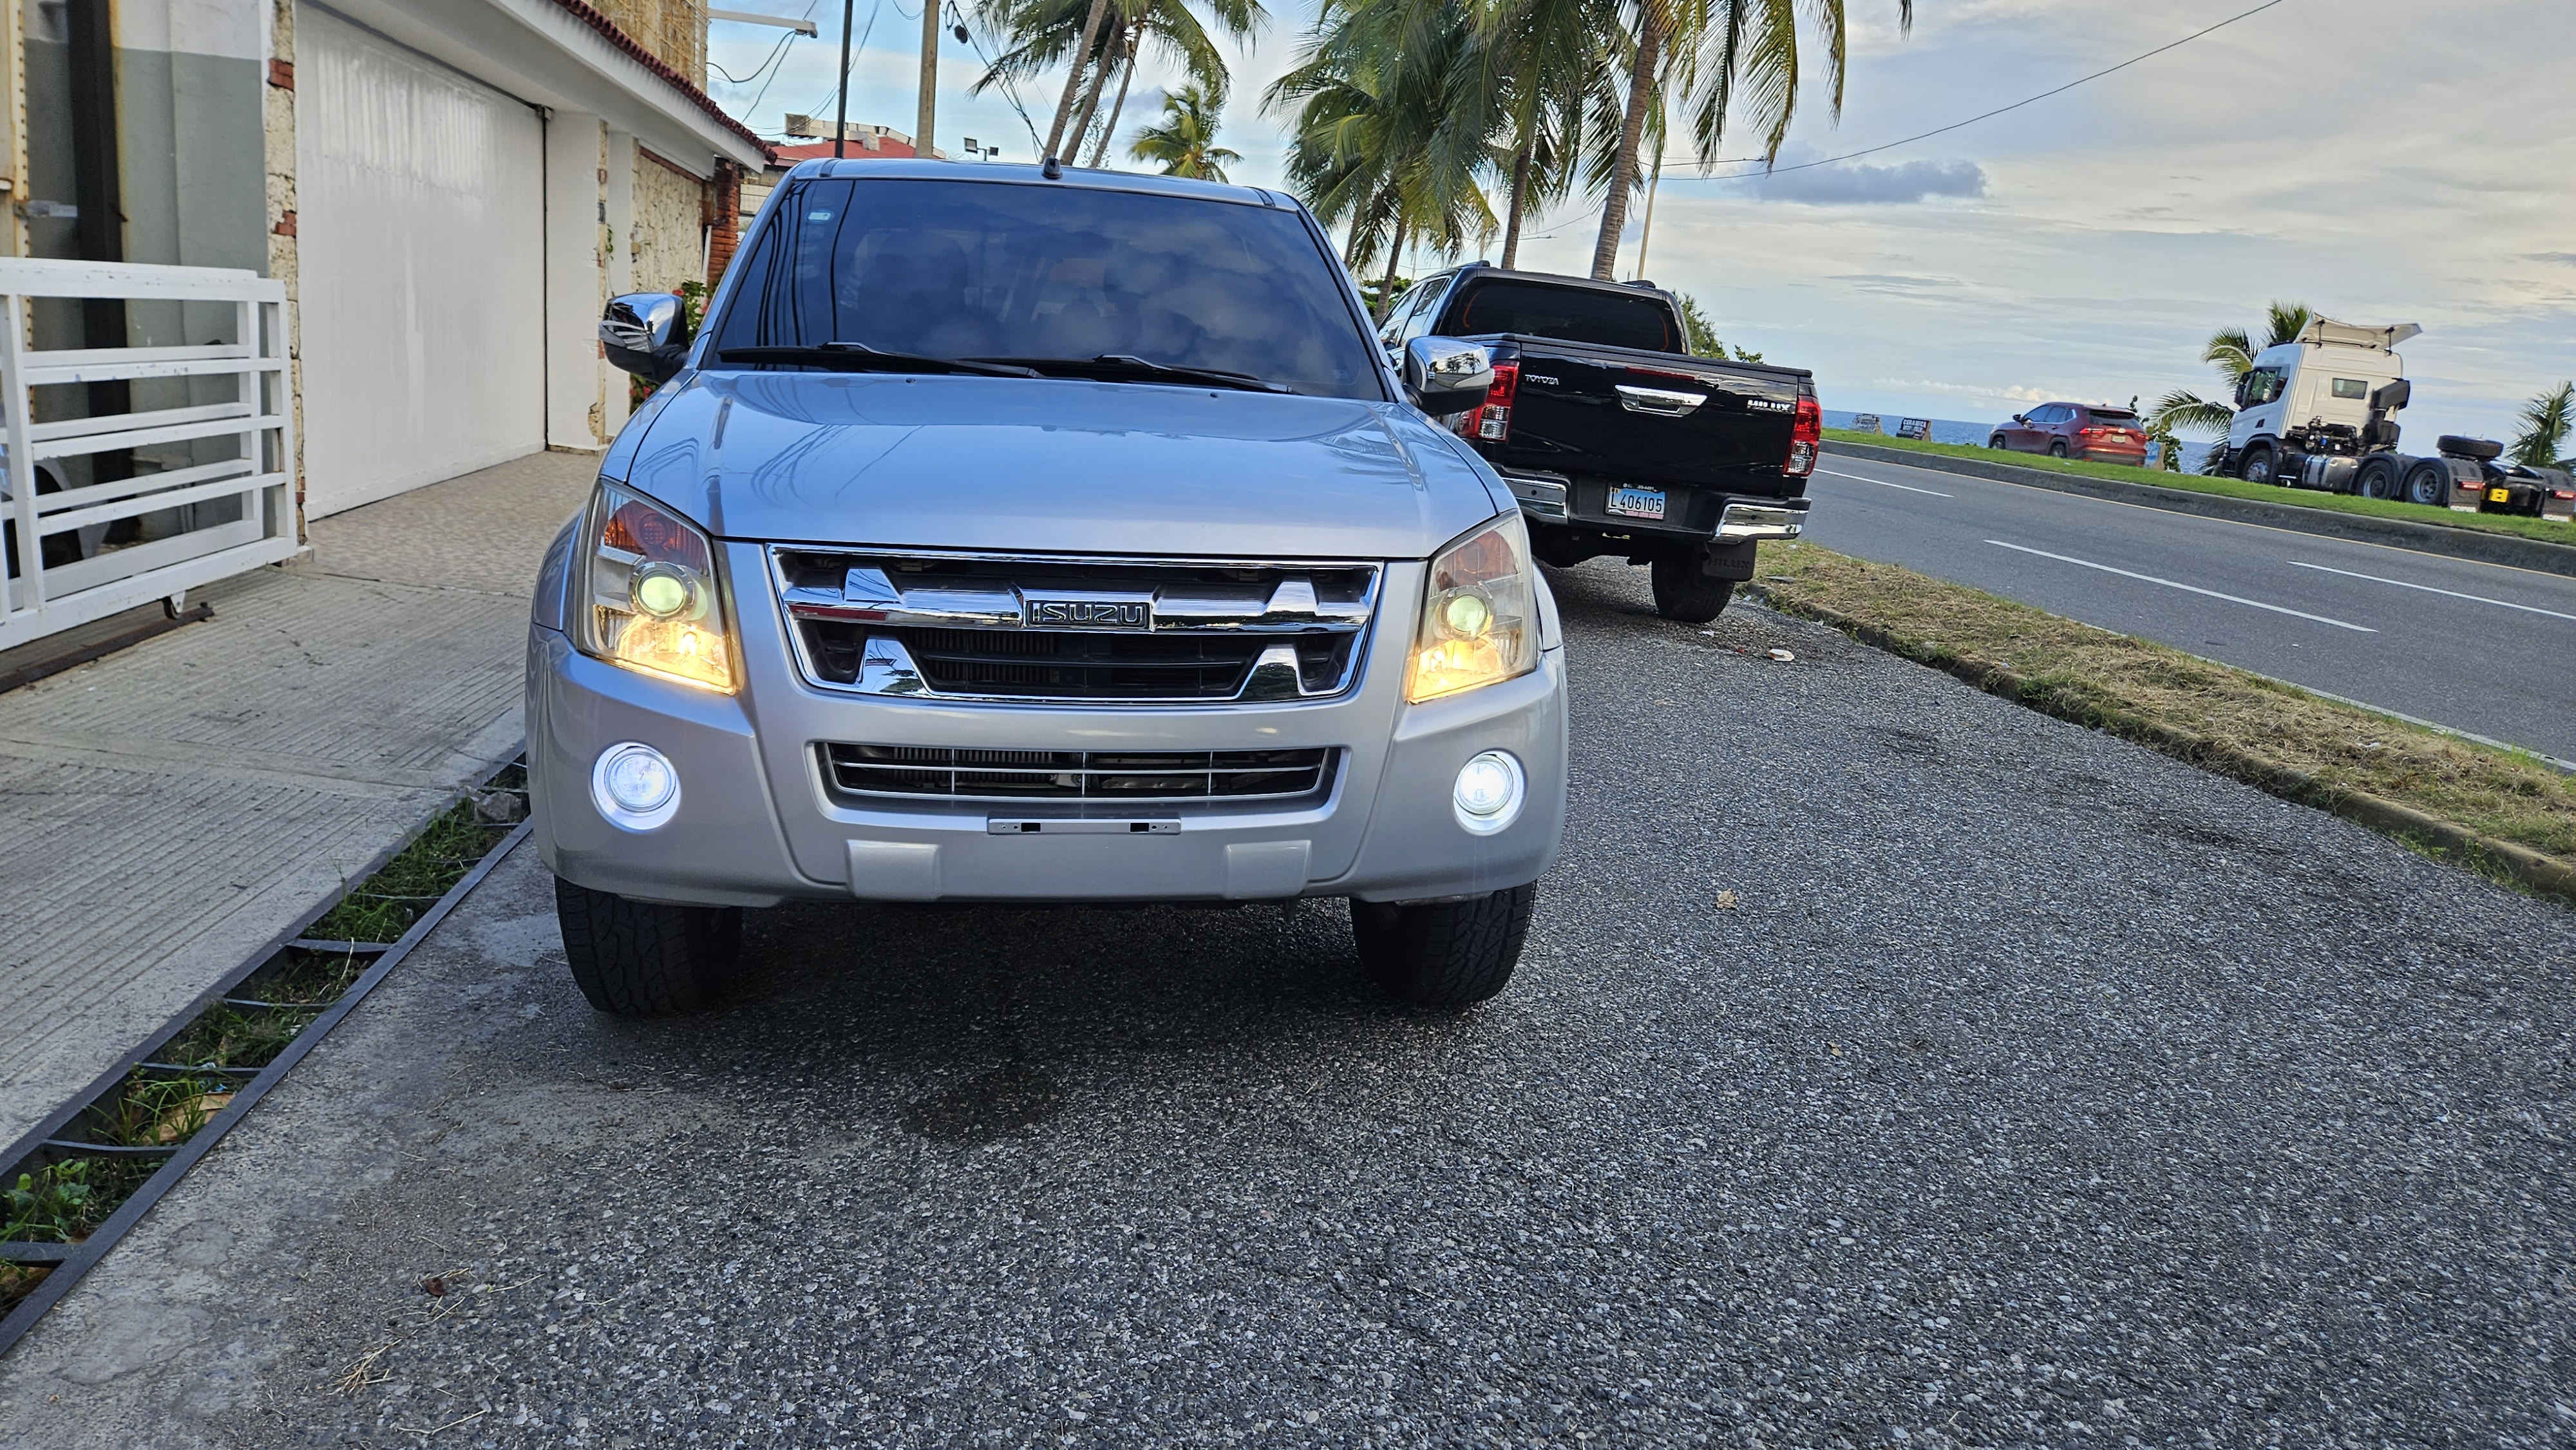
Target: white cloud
[1859,183]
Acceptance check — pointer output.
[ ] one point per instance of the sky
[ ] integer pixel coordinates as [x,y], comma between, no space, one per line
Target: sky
[2381,160]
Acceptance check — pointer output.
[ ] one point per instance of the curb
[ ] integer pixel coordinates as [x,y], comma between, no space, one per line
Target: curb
[2540,874]
[2507,549]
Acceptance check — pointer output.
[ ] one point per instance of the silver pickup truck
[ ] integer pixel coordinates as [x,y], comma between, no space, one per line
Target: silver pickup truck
[1009,535]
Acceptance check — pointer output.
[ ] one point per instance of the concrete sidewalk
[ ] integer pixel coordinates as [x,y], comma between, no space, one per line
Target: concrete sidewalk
[176,805]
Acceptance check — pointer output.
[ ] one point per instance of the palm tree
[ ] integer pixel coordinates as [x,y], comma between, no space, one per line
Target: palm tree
[1718,53]
[2232,351]
[2546,421]
[1097,37]
[1184,140]
[1377,89]
[1543,70]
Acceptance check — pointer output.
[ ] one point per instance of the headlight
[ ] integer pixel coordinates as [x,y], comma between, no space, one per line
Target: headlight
[652,587]
[1479,614]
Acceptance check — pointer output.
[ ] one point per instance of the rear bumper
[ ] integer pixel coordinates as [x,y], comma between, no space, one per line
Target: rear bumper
[759,821]
[2135,457]
[1693,518]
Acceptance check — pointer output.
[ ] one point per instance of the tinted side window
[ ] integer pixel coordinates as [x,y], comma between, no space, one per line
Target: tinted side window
[1419,324]
[1405,306]
[1575,314]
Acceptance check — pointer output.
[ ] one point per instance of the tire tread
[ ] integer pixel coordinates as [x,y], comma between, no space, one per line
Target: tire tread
[645,958]
[1452,954]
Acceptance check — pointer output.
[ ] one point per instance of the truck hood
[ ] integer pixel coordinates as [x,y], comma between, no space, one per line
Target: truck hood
[1052,466]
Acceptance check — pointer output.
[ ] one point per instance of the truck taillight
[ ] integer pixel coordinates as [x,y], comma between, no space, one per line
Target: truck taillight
[1494,420]
[1805,433]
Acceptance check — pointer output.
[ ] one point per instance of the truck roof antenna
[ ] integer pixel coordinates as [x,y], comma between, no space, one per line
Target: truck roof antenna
[1053,170]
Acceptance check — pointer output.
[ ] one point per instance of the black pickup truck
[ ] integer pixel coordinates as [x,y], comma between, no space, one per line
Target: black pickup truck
[1615,438]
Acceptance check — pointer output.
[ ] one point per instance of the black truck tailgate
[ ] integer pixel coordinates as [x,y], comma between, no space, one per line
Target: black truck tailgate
[1657,418]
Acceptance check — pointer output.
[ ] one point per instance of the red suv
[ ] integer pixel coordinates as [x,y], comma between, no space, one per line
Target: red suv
[2075,430]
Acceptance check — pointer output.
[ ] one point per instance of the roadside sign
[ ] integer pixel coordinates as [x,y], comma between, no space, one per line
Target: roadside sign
[1867,423]
[1919,429]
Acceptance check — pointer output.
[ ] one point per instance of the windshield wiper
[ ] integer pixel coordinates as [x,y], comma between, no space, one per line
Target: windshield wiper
[858,357]
[1123,367]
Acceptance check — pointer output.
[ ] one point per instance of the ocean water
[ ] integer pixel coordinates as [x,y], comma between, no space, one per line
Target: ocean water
[1954,430]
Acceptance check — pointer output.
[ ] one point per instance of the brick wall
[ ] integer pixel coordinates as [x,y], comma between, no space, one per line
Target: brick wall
[674,30]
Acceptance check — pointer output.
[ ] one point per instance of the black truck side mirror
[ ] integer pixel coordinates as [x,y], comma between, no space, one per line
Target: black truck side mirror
[2390,397]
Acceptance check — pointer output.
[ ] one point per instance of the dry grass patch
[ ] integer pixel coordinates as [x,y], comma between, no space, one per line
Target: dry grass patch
[2270,735]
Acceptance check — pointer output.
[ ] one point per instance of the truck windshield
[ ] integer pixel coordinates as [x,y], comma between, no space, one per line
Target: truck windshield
[1032,274]
[1573,314]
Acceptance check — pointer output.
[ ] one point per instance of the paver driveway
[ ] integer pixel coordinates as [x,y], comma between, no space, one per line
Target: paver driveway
[2029,1089]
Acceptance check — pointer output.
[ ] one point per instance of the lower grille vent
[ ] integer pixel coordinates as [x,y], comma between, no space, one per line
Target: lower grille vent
[1121,775]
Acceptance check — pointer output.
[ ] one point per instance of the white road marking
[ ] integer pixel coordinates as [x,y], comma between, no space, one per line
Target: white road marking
[2429,589]
[1883,483]
[2186,588]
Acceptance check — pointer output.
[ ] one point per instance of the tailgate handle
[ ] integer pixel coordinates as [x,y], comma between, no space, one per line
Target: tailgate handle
[1661,401]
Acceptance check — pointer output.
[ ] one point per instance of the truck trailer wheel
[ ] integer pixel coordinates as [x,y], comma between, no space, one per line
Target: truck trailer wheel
[1682,592]
[2257,464]
[2378,478]
[2430,484]
[646,958]
[1447,953]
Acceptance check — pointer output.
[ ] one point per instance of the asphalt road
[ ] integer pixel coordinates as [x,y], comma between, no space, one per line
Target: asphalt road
[2477,647]
[2028,1089]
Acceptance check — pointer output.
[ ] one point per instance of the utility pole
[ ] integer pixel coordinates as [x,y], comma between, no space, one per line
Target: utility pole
[1646,228]
[921,125]
[841,94]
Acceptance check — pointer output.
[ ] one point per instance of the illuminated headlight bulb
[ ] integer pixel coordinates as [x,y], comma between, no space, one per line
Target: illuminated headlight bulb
[663,590]
[635,786]
[1466,616]
[1489,791]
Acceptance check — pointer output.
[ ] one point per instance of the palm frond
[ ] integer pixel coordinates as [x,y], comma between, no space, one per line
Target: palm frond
[2545,422]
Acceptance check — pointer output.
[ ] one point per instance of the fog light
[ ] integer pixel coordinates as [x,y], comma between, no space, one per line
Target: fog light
[1489,792]
[635,786]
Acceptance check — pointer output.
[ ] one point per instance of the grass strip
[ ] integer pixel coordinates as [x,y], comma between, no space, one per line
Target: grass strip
[65,1201]
[2503,812]
[383,907]
[2552,531]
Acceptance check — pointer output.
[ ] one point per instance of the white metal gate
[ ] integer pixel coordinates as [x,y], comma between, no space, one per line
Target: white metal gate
[207,441]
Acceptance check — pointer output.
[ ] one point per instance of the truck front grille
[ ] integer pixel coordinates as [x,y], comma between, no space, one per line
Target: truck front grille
[1113,775]
[1041,629]
[1074,665]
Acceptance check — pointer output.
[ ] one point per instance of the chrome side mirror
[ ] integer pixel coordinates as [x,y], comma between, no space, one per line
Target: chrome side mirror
[641,333]
[1443,375]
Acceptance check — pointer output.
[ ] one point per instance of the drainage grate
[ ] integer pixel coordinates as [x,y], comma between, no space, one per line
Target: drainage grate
[98,1163]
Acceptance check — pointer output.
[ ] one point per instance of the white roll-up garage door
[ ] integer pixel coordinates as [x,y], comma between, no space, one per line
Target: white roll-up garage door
[421,267]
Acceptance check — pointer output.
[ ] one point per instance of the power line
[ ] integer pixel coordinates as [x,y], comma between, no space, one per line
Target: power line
[1986,115]
[1010,93]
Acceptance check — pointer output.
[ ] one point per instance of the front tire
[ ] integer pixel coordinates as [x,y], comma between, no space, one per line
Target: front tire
[1997,443]
[1682,592]
[646,958]
[2256,467]
[1447,953]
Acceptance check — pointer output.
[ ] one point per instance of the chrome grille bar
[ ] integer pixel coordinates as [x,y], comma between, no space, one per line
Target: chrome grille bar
[1101,775]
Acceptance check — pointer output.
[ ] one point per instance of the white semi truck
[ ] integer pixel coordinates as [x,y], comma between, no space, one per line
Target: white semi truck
[2314,413]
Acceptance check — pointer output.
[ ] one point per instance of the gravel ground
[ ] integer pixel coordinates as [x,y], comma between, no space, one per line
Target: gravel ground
[1888,1065]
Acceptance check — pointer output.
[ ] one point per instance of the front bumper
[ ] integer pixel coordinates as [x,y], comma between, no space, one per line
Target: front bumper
[758,822]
